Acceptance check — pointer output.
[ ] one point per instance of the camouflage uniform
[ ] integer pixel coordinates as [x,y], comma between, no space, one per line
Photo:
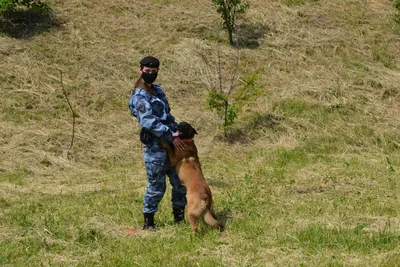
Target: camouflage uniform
[153,114]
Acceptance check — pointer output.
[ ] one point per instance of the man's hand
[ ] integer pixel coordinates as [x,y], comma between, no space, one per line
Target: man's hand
[178,142]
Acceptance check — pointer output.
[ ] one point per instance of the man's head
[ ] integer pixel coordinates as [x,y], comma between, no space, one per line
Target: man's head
[149,69]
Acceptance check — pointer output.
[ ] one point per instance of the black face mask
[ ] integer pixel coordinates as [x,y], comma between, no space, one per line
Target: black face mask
[149,77]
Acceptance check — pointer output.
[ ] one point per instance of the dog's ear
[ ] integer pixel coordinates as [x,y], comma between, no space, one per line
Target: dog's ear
[192,129]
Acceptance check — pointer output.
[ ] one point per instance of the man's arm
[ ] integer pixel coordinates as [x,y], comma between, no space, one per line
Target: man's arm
[149,121]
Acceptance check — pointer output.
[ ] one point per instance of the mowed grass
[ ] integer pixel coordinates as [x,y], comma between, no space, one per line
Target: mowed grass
[307,176]
[305,209]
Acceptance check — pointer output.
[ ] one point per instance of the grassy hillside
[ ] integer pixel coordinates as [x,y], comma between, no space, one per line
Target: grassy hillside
[308,176]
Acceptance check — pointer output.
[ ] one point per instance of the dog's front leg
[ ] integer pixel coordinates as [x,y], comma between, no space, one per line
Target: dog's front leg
[171,154]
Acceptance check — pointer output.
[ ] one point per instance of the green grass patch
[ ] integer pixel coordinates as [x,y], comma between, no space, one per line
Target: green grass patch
[264,121]
[389,142]
[319,238]
[315,112]
[381,53]
[291,107]
[298,2]
[323,144]
[286,157]
[15,176]
[78,223]
[360,65]
[286,160]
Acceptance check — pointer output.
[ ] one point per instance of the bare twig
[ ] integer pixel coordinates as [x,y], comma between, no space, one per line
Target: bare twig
[232,86]
[74,115]
[219,66]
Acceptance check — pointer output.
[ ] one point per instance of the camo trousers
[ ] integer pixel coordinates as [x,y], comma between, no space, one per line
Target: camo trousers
[157,170]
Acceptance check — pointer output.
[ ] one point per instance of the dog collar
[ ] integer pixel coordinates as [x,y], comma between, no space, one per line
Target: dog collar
[187,140]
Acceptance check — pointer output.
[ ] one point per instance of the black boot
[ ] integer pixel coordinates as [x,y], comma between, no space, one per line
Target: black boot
[179,214]
[149,222]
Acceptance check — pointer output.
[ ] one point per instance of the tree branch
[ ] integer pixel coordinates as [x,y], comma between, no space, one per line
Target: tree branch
[74,115]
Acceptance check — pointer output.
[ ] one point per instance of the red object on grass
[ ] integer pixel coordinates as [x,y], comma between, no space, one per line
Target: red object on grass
[132,231]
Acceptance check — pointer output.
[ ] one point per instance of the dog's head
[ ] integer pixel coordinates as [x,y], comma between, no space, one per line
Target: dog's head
[186,130]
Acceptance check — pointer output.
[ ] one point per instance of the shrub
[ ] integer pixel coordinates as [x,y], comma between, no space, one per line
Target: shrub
[10,6]
[397,15]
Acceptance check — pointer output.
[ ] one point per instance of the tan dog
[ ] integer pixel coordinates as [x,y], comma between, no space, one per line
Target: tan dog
[187,165]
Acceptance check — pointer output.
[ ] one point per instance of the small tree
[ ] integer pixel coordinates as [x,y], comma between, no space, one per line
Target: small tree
[229,9]
[227,101]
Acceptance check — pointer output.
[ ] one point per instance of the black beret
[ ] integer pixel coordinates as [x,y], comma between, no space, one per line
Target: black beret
[150,62]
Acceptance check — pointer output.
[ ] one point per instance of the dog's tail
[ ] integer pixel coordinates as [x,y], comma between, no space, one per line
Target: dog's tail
[210,220]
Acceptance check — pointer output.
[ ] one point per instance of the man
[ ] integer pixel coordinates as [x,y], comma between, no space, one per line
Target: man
[149,105]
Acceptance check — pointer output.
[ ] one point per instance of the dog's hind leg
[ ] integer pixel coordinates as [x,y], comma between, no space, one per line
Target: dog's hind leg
[195,210]
[192,220]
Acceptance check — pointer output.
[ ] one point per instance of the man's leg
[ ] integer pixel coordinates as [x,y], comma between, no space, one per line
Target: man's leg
[156,186]
[178,195]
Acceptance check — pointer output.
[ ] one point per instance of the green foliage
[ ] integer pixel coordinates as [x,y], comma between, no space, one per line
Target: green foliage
[9,6]
[6,5]
[397,4]
[250,90]
[228,109]
[216,101]
[229,10]
[396,17]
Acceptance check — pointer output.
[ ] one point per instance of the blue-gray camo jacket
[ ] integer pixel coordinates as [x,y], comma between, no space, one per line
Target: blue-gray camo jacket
[153,114]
